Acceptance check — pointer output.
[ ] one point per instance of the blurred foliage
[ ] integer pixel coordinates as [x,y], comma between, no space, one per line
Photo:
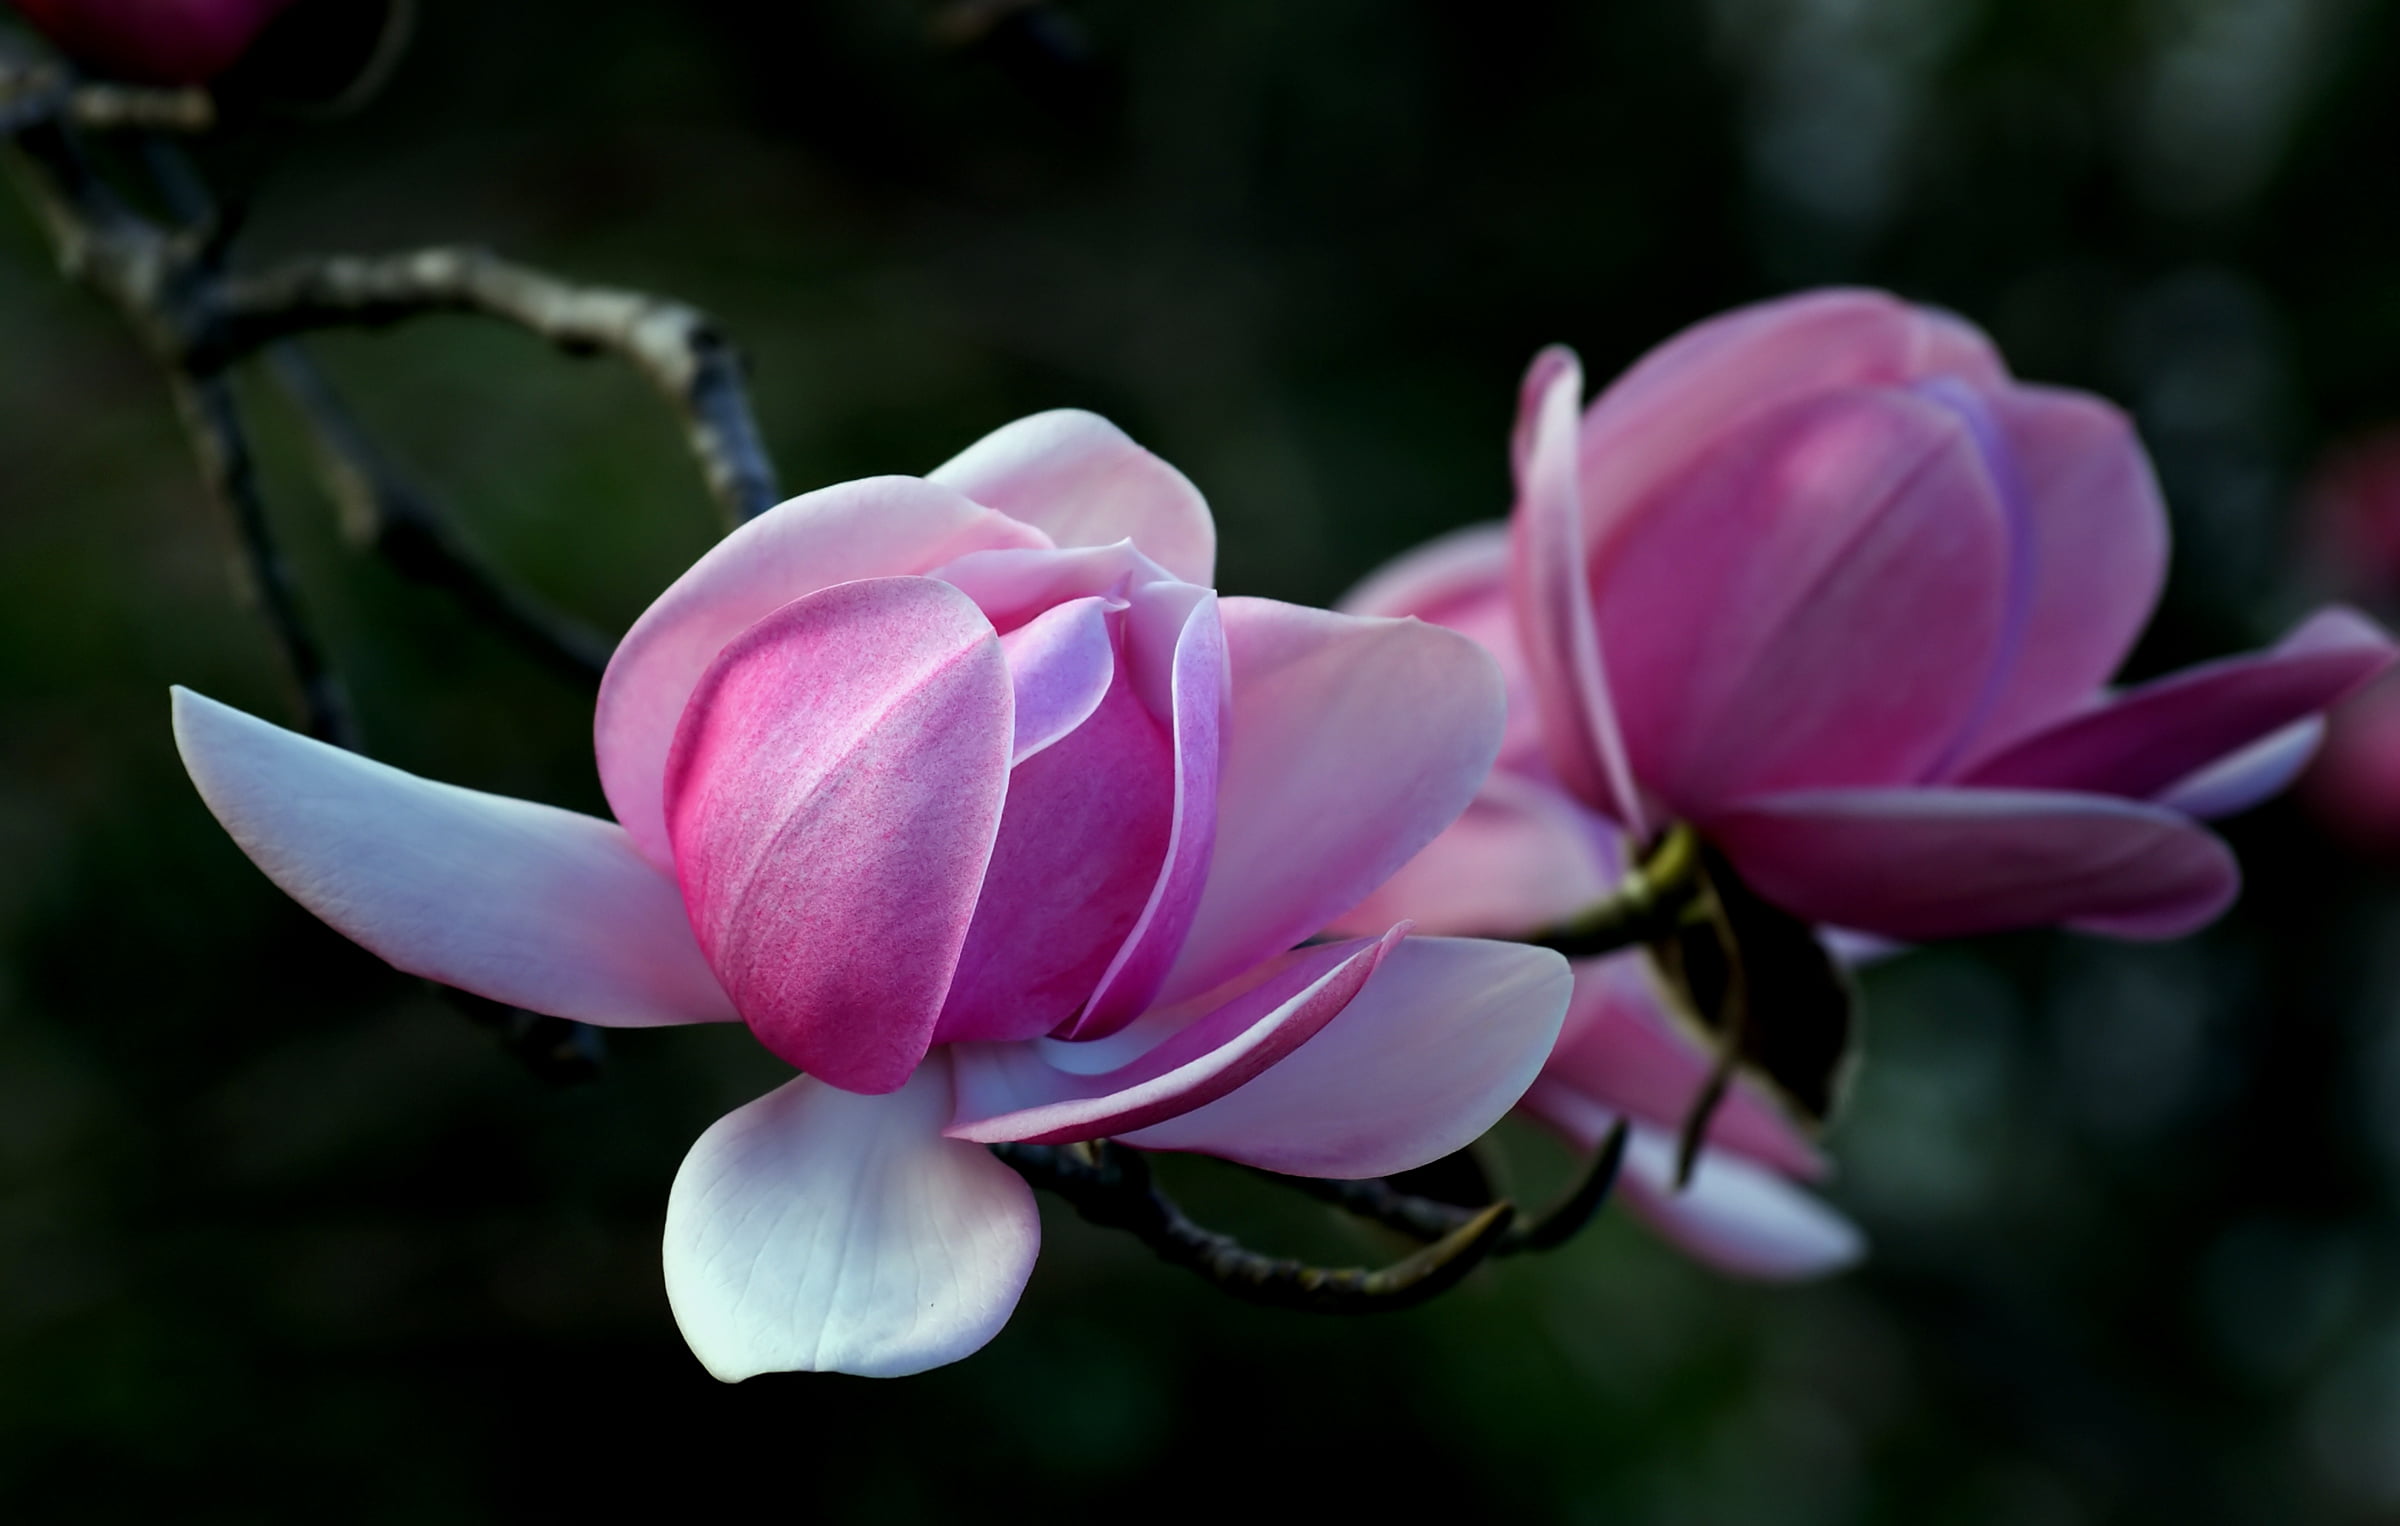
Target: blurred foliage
[282,1236]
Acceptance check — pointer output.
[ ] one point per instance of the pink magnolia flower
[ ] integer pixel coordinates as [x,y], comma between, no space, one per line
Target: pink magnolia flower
[1525,854]
[1821,578]
[153,42]
[978,806]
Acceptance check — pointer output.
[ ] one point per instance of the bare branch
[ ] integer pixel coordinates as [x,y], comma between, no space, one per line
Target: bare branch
[1422,1218]
[1566,1218]
[32,93]
[1110,1185]
[678,347]
[383,510]
[214,424]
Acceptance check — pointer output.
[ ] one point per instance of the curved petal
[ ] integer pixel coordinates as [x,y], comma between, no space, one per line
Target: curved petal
[1349,745]
[1943,863]
[1038,1094]
[1467,566]
[878,527]
[2148,738]
[1082,837]
[1461,580]
[2257,773]
[1183,621]
[1556,628]
[1676,401]
[1523,855]
[1814,605]
[1060,664]
[818,1231]
[832,797]
[526,904]
[2096,560]
[1078,477]
[1440,1043]
[1014,585]
[1736,1216]
[1622,1053]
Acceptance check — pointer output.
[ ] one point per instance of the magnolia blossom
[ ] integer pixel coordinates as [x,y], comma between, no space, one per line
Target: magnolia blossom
[153,42]
[1527,853]
[1822,579]
[980,808]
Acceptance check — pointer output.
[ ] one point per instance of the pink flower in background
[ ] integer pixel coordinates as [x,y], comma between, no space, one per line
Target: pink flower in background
[1820,578]
[2352,545]
[2353,519]
[2354,784]
[1525,854]
[153,42]
[976,804]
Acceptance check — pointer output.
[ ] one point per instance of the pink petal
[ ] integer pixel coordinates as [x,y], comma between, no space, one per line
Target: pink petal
[1436,1048]
[1556,629]
[1945,863]
[1525,854]
[1013,586]
[1085,830]
[1179,1059]
[1621,1053]
[1059,664]
[877,527]
[523,903]
[1738,1217]
[1182,622]
[2096,558]
[1461,580]
[2240,780]
[1815,604]
[832,798]
[2148,738]
[1677,401]
[819,1231]
[1349,745]
[1077,476]
[1467,567]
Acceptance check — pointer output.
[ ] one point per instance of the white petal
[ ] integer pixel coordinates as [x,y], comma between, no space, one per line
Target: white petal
[523,903]
[817,1230]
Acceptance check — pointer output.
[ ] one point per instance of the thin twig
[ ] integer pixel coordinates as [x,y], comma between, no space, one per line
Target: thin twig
[214,423]
[1110,1185]
[1422,1218]
[37,92]
[678,347]
[151,276]
[1379,1202]
[383,510]
[1566,1218]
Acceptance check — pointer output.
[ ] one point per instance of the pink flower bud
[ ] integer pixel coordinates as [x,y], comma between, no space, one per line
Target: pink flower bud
[153,42]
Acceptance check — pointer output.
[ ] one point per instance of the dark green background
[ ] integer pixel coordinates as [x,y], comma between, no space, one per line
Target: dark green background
[282,1237]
